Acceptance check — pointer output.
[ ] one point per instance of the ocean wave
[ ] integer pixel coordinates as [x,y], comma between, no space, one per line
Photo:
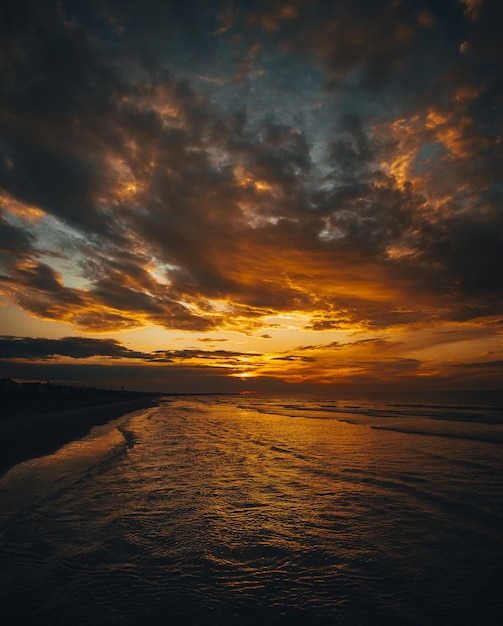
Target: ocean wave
[449,435]
[227,515]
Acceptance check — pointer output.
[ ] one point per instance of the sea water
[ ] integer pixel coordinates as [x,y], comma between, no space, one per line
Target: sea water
[261,510]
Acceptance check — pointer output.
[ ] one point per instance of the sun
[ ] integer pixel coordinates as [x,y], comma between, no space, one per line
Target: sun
[243,375]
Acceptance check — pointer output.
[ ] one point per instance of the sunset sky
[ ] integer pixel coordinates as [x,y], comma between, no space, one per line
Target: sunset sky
[271,194]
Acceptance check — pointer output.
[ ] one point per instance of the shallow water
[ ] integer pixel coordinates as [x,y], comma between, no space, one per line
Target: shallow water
[220,510]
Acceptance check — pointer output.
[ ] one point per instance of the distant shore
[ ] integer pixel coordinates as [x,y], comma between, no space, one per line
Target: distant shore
[39,422]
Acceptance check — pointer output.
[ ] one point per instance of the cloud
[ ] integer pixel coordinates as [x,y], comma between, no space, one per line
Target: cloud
[85,348]
[185,195]
[212,340]
[74,347]
[493,365]
[292,357]
[14,240]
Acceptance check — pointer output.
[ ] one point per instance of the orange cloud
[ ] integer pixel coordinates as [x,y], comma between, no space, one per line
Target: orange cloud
[20,209]
[472,7]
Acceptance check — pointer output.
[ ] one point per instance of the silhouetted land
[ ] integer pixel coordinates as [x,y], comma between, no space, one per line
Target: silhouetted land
[38,418]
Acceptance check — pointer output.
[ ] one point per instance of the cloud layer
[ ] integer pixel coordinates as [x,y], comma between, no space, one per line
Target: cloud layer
[205,166]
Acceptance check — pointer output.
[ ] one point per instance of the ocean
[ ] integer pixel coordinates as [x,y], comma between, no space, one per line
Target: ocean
[254,509]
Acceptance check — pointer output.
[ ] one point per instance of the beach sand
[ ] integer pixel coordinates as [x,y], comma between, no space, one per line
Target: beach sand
[37,432]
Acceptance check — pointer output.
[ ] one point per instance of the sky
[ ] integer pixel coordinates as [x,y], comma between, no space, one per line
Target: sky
[273,195]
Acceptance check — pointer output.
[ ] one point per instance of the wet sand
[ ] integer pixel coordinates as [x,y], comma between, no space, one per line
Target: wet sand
[36,432]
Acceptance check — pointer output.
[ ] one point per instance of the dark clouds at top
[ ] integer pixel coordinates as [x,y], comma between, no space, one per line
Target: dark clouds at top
[339,159]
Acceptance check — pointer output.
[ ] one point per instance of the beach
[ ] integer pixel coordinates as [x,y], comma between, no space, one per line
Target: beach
[35,422]
[244,510]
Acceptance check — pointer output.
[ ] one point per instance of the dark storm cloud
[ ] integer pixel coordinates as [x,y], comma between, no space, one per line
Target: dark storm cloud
[75,347]
[328,324]
[212,340]
[293,357]
[144,129]
[41,292]
[57,98]
[122,284]
[229,357]
[377,45]
[381,344]
[462,260]
[383,369]
[471,252]
[13,240]
[492,365]
[33,349]
[490,373]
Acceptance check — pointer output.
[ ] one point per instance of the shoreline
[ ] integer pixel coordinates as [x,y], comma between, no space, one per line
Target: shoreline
[38,433]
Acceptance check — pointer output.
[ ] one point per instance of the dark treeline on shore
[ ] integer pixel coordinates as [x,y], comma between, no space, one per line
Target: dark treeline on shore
[38,418]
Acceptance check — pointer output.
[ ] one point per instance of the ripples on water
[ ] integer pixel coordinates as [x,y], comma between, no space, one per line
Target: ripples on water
[222,510]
